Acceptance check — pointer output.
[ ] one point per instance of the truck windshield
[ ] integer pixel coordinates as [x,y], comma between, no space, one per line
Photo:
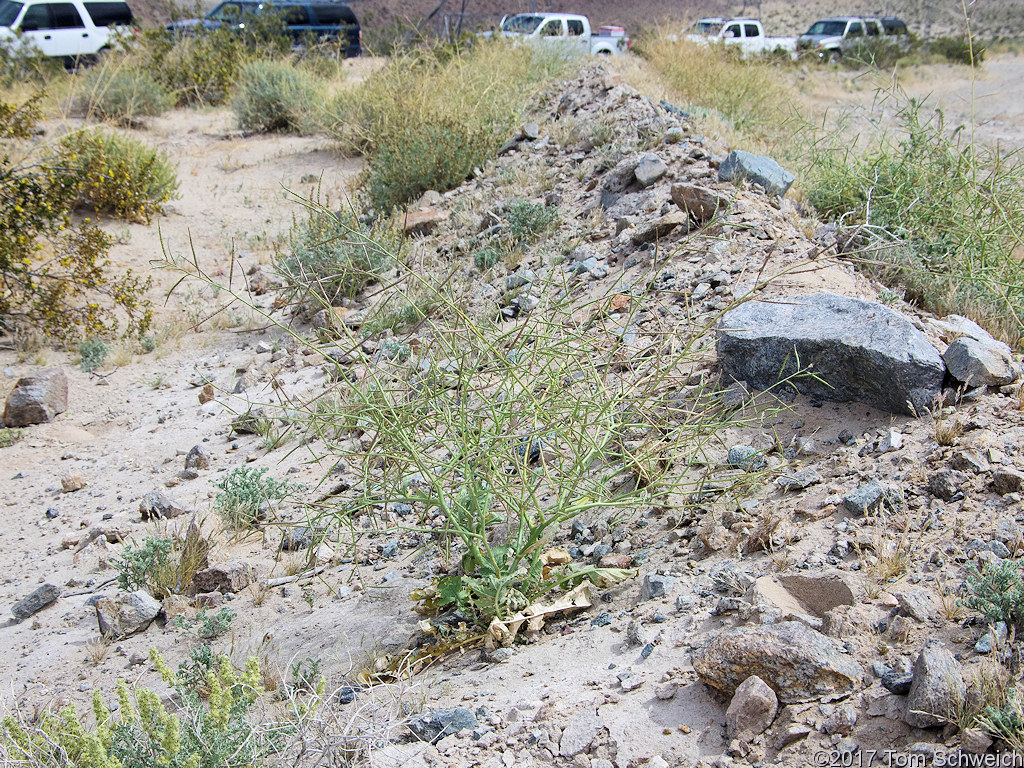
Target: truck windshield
[827,28]
[9,11]
[523,24]
[708,28]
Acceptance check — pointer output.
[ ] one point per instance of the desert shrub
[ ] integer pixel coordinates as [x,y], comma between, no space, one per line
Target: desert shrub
[997,592]
[945,215]
[881,53]
[209,727]
[526,220]
[121,93]
[244,490]
[163,565]
[207,626]
[202,66]
[431,116]
[55,272]
[748,93]
[274,96]
[485,258]
[334,255]
[958,50]
[117,174]
[24,65]
[93,352]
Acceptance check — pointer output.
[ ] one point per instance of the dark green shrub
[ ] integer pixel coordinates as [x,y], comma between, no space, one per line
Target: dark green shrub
[274,96]
[122,93]
[54,273]
[997,593]
[415,157]
[958,50]
[486,258]
[117,174]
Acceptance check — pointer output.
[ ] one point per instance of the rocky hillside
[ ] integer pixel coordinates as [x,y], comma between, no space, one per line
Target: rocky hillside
[842,462]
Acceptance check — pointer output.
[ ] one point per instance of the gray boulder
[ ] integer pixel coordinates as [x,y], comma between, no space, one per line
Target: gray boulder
[980,363]
[35,602]
[37,399]
[937,689]
[761,170]
[798,663]
[857,350]
[126,613]
[434,726]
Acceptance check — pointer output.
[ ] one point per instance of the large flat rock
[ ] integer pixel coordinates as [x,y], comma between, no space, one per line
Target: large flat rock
[796,662]
[856,350]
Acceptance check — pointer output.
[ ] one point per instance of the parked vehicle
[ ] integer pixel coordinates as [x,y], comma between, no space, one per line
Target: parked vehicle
[831,38]
[72,30]
[566,28]
[746,34]
[319,20]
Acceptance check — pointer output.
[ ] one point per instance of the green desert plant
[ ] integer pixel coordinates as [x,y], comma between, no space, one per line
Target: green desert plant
[274,96]
[244,490]
[54,272]
[124,94]
[940,215]
[997,592]
[333,255]
[527,220]
[163,565]
[93,352]
[117,174]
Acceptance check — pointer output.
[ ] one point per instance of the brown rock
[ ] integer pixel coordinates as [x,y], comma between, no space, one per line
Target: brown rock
[1006,480]
[751,710]
[126,613]
[699,202]
[798,663]
[423,222]
[72,482]
[615,561]
[37,399]
[226,577]
[799,594]
[206,394]
[658,228]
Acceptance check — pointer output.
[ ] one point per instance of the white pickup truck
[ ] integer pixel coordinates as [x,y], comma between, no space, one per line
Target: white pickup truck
[746,34]
[565,28]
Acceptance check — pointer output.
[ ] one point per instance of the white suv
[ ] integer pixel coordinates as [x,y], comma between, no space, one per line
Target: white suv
[69,29]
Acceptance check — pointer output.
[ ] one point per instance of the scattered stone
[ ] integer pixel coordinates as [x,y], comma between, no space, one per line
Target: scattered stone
[752,709]
[938,687]
[798,663]
[975,742]
[656,229]
[126,613]
[296,539]
[859,350]
[635,635]
[978,363]
[745,457]
[580,733]
[946,483]
[37,399]
[841,721]
[968,461]
[665,691]
[649,170]
[174,606]
[1007,480]
[206,394]
[198,458]
[156,505]
[73,482]
[798,481]
[915,603]
[1008,531]
[231,576]
[655,586]
[699,202]
[897,682]
[891,441]
[35,602]
[868,498]
[435,725]
[995,637]
[423,222]
[761,170]
[615,561]
[252,422]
